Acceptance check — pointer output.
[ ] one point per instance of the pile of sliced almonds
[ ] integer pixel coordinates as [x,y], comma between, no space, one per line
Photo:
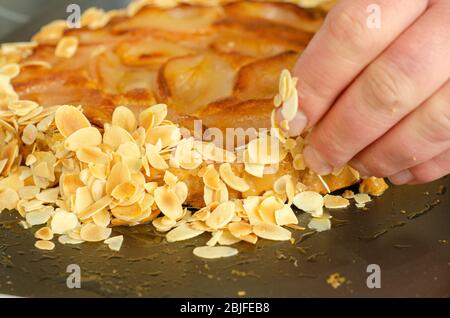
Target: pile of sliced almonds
[77,181]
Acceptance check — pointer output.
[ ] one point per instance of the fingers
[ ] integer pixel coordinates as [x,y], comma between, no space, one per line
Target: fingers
[420,136]
[433,169]
[342,48]
[405,75]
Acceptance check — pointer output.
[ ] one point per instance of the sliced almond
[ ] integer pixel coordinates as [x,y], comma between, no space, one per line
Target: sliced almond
[124,117]
[221,215]
[320,224]
[44,233]
[362,198]
[95,207]
[215,236]
[153,116]
[48,195]
[272,232]
[212,252]
[154,158]
[335,202]
[120,173]
[63,222]
[168,202]
[267,209]
[92,155]
[169,135]
[127,213]
[227,238]
[44,245]
[308,201]
[239,229]
[233,181]
[83,199]
[251,205]
[102,218]
[114,136]
[182,232]
[290,106]
[69,119]
[29,134]
[83,137]
[8,199]
[28,192]
[114,243]
[211,178]
[285,216]
[38,217]
[91,232]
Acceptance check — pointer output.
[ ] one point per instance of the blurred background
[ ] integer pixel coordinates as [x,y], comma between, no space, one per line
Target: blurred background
[19,19]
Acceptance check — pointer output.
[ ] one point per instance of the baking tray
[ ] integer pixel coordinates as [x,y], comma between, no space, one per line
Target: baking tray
[406,232]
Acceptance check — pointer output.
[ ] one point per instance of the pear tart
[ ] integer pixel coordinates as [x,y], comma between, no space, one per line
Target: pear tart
[76,160]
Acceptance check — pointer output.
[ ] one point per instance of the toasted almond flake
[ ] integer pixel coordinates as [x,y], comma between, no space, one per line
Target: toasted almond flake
[227,238]
[91,232]
[95,18]
[102,218]
[285,216]
[354,172]
[360,205]
[160,225]
[44,233]
[168,202]
[267,208]
[348,194]
[215,236]
[182,232]
[83,137]
[63,222]
[29,134]
[66,47]
[153,116]
[45,123]
[38,217]
[92,155]
[212,252]
[362,198]
[8,199]
[44,245]
[114,243]
[272,232]
[65,239]
[320,224]
[127,213]
[154,158]
[83,199]
[308,201]
[28,192]
[239,229]
[233,181]
[211,178]
[221,215]
[124,191]
[23,107]
[169,136]
[95,207]
[69,119]
[251,208]
[277,101]
[48,195]
[335,202]
[124,117]
[114,136]
[181,190]
[31,205]
[119,173]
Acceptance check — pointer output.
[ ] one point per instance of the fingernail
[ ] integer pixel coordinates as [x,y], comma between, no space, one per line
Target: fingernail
[402,177]
[298,124]
[315,161]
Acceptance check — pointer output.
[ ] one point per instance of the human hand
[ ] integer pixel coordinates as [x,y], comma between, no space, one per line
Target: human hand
[378,99]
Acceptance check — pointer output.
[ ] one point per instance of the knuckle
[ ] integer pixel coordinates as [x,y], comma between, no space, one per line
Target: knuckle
[436,122]
[382,88]
[347,26]
[330,148]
